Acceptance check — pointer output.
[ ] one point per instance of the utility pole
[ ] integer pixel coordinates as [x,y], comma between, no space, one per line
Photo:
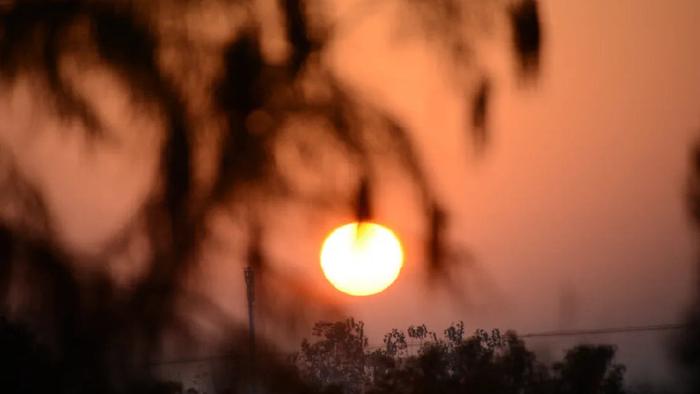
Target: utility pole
[250,291]
[362,357]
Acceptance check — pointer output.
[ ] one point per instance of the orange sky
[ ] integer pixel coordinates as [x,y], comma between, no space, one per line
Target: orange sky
[574,213]
[577,205]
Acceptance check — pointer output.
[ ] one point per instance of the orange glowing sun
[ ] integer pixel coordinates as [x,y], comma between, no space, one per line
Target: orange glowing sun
[361,259]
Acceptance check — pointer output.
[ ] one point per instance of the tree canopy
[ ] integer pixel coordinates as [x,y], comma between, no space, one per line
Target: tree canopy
[424,362]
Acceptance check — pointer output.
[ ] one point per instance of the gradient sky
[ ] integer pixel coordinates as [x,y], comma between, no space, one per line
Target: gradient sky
[574,213]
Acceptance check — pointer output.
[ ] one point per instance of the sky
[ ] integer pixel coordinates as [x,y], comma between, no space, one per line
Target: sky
[574,211]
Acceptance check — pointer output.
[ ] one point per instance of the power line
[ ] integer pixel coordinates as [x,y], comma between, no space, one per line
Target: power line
[610,330]
[542,334]
[588,331]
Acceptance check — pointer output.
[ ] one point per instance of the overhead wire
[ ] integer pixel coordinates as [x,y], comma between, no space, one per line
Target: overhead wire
[540,334]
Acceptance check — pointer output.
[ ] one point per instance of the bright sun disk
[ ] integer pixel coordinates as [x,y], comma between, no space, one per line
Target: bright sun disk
[361,259]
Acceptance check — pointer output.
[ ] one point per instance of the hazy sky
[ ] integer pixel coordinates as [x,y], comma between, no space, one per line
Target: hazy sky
[574,212]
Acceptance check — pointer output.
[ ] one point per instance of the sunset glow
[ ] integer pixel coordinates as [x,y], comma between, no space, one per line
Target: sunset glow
[361,259]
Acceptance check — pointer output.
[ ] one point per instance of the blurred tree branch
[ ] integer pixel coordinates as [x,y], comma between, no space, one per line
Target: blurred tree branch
[92,323]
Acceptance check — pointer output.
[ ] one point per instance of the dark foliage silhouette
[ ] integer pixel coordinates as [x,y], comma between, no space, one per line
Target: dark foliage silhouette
[687,345]
[22,360]
[98,336]
[589,369]
[451,363]
[334,361]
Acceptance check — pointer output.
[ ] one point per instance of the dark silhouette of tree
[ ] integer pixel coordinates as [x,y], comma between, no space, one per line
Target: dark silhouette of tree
[590,369]
[481,363]
[101,335]
[334,362]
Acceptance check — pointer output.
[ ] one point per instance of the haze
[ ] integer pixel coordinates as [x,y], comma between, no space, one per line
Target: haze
[574,212]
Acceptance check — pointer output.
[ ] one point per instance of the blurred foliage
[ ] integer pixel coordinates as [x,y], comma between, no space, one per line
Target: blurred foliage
[686,347]
[98,334]
[21,360]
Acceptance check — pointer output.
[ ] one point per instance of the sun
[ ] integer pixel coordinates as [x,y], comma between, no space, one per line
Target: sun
[362,258]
